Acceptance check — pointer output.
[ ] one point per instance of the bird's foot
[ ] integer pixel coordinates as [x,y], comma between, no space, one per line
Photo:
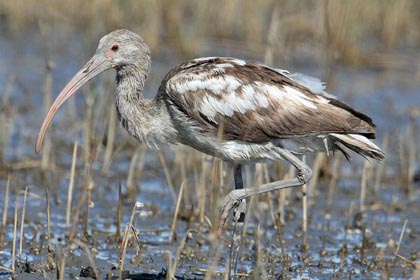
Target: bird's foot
[239,211]
[232,200]
[304,174]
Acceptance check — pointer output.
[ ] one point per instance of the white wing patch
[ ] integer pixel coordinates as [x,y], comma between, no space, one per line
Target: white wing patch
[231,102]
[251,97]
[216,84]
[298,98]
[287,95]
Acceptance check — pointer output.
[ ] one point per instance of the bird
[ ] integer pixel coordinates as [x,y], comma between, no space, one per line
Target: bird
[240,111]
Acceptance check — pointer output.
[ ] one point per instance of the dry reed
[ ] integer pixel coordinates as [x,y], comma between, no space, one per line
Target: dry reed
[131,170]
[5,209]
[124,243]
[401,237]
[22,225]
[168,176]
[89,204]
[333,181]
[84,246]
[110,137]
[380,171]
[363,187]
[15,224]
[70,189]
[119,213]
[48,213]
[178,204]
[47,89]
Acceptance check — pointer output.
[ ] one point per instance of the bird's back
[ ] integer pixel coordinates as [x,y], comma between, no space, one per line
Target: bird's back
[226,99]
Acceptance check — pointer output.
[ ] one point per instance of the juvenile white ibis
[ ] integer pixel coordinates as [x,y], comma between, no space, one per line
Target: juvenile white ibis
[237,110]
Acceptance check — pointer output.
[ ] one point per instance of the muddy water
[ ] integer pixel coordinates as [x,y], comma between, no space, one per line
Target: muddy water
[342,243]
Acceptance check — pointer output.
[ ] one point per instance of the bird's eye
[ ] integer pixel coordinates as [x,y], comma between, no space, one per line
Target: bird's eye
[114,48]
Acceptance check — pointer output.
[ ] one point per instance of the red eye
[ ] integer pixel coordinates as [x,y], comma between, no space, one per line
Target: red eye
[114,48]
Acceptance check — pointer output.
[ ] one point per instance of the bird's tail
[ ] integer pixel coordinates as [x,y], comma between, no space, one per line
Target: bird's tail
[358,143]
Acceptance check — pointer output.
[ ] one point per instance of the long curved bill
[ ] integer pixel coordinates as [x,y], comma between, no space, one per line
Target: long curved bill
[95,66]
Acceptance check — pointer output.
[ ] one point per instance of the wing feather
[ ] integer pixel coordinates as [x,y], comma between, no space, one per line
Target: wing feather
[237,100]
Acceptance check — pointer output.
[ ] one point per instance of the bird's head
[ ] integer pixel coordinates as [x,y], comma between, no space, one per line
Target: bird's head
[122,50]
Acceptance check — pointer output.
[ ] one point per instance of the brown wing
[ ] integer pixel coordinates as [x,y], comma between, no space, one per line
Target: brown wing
[236,100]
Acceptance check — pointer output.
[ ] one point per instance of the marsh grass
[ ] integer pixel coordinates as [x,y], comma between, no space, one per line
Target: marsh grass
[22,225]
[5,209]
[349,30]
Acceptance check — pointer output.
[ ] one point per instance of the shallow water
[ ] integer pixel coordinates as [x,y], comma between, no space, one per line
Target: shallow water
[388,97]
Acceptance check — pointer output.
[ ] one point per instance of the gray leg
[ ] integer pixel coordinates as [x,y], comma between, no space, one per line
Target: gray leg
[239,212]
[235,197]
[238,219]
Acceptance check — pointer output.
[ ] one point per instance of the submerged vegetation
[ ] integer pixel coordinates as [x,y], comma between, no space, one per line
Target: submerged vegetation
[96,198]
